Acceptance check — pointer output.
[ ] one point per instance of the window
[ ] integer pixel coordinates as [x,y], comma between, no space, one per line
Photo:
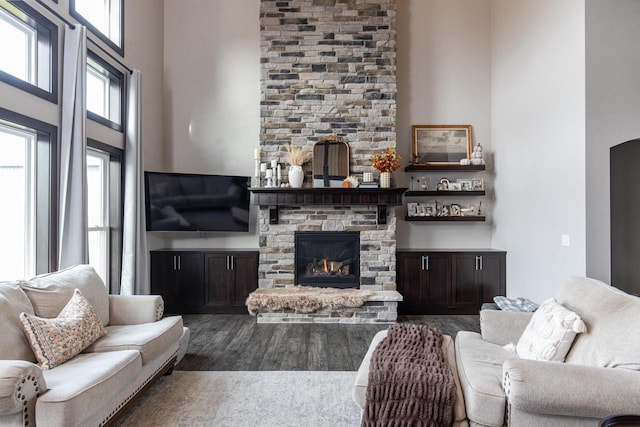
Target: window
[27,188]
[103,17]
[105,86]
[29,49]
[105,210]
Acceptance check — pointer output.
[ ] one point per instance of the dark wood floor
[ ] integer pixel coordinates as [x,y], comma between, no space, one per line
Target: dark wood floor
[235,342]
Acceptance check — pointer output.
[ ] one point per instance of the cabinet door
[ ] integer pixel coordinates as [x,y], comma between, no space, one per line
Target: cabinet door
[245,268]
[465,290]
[424,282]
[163,279]
[410,283]
[492,276]
[438,282]
[190,281]
[219,280]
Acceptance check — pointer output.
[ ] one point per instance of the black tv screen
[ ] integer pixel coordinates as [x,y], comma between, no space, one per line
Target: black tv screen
[192,202]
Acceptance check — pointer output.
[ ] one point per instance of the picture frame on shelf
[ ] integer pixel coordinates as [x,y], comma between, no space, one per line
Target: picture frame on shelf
[466,184]
[441,144]
[420,210]
[455,186]
[456,210]
[477,184]
[412,209]
[430,210]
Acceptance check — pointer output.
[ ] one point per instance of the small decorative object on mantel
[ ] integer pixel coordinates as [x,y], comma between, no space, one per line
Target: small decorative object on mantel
[350,182]
[296,157]
[386,162]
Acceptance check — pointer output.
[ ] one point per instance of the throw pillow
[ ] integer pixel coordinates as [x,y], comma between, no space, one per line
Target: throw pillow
[54,341]
[550,333]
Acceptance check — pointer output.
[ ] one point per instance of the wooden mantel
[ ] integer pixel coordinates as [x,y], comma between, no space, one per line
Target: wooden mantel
[273,198]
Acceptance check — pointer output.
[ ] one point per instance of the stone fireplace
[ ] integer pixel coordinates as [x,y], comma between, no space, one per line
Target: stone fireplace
[328,67]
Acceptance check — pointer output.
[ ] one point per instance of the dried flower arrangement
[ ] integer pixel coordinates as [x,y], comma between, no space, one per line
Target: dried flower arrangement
[295,155]
[386,161]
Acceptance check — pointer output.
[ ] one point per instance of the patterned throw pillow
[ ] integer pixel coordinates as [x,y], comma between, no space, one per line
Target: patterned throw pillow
[550,333]
[54,341]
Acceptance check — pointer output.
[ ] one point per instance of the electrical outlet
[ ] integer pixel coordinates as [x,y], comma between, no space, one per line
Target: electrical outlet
[566,240]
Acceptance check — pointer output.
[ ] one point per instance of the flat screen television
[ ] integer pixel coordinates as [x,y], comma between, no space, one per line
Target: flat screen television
[195,202]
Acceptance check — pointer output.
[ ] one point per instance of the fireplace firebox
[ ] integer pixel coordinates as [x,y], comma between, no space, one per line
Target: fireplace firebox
[329,259]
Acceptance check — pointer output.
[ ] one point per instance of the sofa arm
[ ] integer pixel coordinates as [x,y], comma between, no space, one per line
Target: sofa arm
[503,327]
[135,309]
[20,384]
[570,390]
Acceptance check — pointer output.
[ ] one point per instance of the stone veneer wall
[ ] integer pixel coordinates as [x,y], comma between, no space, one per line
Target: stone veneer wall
[328,67]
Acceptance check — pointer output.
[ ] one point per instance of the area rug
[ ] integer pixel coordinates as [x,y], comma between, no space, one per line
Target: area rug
[242,398]
[304,299]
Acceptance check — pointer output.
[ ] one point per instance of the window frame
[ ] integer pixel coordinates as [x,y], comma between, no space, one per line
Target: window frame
[46,197]
[81,19]
[115,77]
[47,36]
[116,210]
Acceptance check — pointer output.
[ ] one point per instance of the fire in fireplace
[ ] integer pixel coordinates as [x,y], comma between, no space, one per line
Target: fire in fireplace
[327,259]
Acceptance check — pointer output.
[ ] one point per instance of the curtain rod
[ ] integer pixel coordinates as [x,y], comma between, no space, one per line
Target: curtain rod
[72,25]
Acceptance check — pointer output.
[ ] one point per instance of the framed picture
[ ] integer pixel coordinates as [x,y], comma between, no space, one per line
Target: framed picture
[477,184]
[456,210]
[441,144]
[420,210]
[430,210]
[412,209]
[455,186]
[466,184]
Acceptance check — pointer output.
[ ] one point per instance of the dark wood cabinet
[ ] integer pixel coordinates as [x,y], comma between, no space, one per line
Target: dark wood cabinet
[204,280]
[445,282]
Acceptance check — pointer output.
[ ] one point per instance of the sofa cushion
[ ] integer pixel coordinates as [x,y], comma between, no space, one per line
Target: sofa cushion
[150,339]
[79,387]
[50,292]
[611,317]
[54,341]
[550,333]
[480,370]
[14,301]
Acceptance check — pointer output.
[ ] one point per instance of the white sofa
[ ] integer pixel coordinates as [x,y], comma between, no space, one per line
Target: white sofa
[93,387]
[599,378]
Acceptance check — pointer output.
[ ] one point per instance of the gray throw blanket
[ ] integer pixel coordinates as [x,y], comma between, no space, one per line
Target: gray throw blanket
[410,382]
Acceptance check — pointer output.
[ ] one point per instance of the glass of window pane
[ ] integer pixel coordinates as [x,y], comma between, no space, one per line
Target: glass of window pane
[98,211]
[17,50]
[17,224]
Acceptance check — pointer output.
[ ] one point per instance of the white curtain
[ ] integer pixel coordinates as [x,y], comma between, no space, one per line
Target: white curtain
[134,246]
[73,245]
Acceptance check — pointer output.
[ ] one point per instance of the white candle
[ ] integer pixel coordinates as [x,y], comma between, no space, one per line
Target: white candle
[263,167]
[269,173]
[256,153]
[278,172]
[273,164]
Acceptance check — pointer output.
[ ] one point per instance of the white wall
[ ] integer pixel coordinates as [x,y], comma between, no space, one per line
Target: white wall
[444,77]
[613,112]
[212,97]
[538,128]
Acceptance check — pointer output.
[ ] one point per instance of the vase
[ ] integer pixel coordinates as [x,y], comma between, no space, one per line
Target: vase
[385,179]
[296,176]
